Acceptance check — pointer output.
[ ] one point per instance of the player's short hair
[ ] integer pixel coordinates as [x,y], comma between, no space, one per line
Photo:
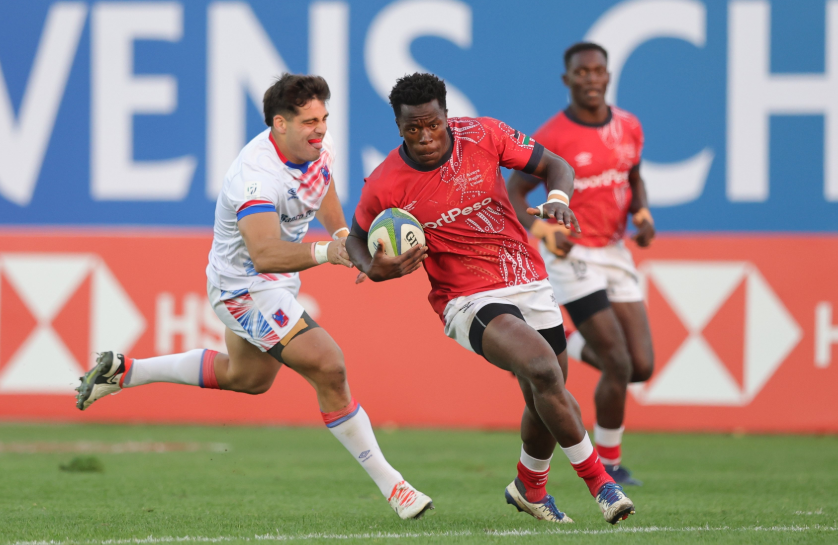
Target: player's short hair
[417,89]
[290,92]
[582,46]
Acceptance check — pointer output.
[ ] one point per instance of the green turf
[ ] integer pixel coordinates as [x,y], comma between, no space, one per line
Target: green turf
[297,482]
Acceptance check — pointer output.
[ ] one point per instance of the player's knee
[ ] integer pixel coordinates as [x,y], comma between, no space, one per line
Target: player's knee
[616,362]
[642,368]
[252,384]
[543,373]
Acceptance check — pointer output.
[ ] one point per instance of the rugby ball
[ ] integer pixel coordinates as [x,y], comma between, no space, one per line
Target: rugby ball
[399,230]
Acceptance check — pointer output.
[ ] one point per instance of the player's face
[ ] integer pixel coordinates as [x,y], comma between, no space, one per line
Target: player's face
[425,131]
[587,78]
[303,134]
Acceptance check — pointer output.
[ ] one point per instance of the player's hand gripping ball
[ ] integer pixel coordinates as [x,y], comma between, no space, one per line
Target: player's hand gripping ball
[399,230]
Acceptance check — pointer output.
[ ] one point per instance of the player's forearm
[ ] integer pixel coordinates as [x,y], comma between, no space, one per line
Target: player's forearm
[556,173]
[518,187]
[280,256]
[330,214]
[638,191]
[358,253]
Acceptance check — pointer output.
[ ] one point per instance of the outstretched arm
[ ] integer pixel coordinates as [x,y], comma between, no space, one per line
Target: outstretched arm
[520,184]
[271,254]
[641,217]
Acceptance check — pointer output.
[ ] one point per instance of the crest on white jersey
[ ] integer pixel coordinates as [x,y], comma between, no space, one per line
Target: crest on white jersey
[252,189]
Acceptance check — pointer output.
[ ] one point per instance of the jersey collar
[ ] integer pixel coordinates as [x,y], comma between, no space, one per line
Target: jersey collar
[576,120]
[303,167]
[422,168]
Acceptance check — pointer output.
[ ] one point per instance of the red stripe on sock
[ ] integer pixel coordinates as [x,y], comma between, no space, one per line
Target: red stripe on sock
[610,453]
[328,418]
[593,472]
[128,363]
[535,482]
[208,369]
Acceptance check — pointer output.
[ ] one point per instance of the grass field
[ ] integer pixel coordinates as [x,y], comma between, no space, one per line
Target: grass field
[232,484]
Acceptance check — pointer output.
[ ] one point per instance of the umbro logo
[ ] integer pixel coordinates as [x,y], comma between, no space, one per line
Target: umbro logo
[583,159]
[364,455]
[292,194]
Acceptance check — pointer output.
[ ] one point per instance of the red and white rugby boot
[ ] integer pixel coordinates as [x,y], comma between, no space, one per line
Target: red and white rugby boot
[408,502]
[105,378]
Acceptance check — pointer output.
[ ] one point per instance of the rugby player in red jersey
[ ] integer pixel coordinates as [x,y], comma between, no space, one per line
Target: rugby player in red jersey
[592,272]
[488,284]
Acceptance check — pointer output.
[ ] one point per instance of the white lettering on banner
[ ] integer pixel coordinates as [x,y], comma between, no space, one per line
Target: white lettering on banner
[754,94]
[696,374]
[826,334]
[621,30]
[23,142]
[451,215]
[117,95]
[387,48]
[197,326]
[242,62]
[328,54]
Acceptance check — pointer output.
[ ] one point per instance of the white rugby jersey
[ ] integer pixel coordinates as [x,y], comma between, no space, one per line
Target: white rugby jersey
[261,179]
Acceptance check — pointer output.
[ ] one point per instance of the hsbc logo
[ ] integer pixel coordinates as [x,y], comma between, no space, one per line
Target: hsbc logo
[729,332]
[56,310]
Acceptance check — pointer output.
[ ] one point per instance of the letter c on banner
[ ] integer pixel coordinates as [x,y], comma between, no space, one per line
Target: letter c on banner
[621,30]
[387,48]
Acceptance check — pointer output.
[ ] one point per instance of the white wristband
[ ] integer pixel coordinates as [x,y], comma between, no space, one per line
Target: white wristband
[335,234]
[321,252]
[560,195]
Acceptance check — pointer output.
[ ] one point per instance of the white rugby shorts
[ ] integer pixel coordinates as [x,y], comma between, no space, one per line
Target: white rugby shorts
[262,315]
[535,301]
[587,270]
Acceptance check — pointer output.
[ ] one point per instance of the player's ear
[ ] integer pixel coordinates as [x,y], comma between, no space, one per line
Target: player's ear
[280,124]
[565,80]
[399,126]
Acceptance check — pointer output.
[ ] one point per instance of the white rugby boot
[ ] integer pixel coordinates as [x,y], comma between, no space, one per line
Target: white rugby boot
[408,502]
[543,510]
[102,380]
[615,505]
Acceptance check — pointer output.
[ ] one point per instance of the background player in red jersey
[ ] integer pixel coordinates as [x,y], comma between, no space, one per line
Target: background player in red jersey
[593,273]
[488,284]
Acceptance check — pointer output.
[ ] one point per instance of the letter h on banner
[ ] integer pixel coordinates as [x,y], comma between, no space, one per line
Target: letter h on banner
[754,93]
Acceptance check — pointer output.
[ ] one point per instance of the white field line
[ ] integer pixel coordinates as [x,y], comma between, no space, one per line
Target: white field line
[98,447]
[407,535]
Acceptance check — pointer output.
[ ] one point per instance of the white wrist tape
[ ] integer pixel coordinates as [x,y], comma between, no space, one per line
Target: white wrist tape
[321,252]
[335,235]
[560,195]
[541,207]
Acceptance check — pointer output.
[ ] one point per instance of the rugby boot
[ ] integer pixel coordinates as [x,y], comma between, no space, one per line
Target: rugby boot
[102,380]
[615,505]
[545,509]
[621,475]
[408,502]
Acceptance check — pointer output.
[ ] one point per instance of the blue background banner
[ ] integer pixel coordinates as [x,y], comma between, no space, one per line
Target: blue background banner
[128,113]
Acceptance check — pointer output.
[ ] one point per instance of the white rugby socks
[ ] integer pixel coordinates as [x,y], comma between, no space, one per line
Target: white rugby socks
[353,429]
[575,344]
[194,368]
[608,444]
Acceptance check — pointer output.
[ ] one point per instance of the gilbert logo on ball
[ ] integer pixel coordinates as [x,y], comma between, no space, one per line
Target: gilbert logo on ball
[399,230]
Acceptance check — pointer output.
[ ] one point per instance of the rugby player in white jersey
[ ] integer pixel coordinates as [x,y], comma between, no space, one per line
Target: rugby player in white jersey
[280,181]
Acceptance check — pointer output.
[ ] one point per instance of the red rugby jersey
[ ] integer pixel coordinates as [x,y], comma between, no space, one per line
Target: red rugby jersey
[475,242]
[602,157]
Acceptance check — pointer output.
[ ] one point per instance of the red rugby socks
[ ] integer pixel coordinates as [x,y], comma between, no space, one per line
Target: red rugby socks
[533,473]
[585,461]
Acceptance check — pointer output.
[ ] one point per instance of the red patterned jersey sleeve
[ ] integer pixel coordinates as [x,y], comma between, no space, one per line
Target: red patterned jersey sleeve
[515,149]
